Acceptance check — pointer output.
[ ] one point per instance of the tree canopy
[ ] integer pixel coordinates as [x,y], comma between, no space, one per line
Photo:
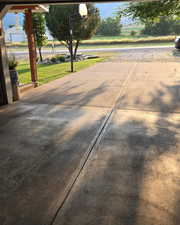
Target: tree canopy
[150,12]
[165,26]
[110,26]
[39,28]
[58,19]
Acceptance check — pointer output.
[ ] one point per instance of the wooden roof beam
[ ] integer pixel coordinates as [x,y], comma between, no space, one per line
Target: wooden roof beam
[22,7]
[30,2]
[4,9]
[35,8]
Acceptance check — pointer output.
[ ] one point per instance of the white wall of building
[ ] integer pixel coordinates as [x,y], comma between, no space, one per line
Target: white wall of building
[15,34]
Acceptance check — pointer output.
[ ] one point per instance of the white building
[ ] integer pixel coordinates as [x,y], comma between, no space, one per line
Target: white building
[15,33]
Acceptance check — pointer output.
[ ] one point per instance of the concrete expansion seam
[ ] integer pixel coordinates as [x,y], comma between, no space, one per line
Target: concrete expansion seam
[94,143]
[124,86]
[115,105]
[92,148]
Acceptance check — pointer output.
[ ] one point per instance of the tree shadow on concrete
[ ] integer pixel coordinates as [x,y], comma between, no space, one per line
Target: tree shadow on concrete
[162,106]
[157,100]
[42,149]
[133,176]
[127,180]
[68,94]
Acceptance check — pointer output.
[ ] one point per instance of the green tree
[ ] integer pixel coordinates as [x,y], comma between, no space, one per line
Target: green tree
[110,26]
[176,27]
[165,26]
[39,28]
[57,21]
[159,17]
[150,12]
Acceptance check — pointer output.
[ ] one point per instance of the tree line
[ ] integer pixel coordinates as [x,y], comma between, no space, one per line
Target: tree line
[159,17]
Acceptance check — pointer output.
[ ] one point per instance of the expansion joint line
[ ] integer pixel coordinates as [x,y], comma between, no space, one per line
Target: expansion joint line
[83,162]
[124,85]
[94,144]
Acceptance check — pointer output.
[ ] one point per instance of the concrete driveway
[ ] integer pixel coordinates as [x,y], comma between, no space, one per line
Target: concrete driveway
[101,146]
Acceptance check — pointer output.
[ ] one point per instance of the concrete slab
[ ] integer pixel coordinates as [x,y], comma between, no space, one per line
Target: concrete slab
[159,97]
[42,150]
[162,69]
[133,176]
[154,87]
[112,67]
[156,72]
[85,94]
[85,88]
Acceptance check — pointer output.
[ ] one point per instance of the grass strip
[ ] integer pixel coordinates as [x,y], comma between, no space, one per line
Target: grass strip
[47,73]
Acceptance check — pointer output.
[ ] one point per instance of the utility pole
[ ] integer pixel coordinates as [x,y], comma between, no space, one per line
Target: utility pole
[82,13]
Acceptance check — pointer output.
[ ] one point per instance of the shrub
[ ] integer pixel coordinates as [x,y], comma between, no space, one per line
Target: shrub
[133,33]
[61,58]
[12,62]
[53,59]
[57,59]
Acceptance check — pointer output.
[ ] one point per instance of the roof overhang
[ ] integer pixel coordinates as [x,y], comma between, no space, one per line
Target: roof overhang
[34,8]
[6,5]
[26,2]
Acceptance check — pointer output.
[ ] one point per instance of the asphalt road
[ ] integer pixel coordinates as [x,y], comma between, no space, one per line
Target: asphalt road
[24,53]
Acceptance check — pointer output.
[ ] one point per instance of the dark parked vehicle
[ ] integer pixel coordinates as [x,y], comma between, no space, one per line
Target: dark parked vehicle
[177,42]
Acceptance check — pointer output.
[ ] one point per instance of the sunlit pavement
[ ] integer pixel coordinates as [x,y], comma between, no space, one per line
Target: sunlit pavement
[101,146]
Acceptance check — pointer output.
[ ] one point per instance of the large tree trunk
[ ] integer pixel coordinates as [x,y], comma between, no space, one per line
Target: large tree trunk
[67,45]
[75,49]
[40,54]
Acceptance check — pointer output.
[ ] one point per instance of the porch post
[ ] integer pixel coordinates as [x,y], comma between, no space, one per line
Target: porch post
[5,82]
[32,46]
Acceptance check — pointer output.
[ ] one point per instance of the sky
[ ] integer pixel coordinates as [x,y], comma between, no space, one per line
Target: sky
[106,10]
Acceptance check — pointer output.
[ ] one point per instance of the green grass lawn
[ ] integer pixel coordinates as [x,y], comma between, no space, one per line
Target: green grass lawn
[47,73]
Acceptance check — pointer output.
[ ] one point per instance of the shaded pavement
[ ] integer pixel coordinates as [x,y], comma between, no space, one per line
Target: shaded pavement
[100,146]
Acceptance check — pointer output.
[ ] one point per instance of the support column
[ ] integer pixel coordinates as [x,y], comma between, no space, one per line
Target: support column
[5,82]
[32,46]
